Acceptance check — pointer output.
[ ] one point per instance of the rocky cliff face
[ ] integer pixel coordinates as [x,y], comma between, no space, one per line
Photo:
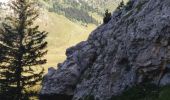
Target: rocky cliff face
[134,47]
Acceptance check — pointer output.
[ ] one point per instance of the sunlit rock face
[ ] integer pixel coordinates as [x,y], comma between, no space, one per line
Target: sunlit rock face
[132,48]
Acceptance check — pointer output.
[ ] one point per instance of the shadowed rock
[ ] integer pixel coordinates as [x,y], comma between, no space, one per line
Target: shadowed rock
[128,50]
[56,97]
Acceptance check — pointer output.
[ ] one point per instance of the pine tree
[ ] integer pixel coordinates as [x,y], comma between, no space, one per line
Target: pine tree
[22,50]
[107,16]
[121,5]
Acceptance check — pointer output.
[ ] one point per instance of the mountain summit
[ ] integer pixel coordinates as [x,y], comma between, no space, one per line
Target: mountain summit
[132,48]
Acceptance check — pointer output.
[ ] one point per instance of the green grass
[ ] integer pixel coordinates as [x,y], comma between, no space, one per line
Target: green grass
[147,92]
[141,92]
[165,93]
[63,34]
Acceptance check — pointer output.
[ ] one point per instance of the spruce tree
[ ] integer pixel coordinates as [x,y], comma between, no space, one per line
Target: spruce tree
[107,16]
[121,5]
[22,47]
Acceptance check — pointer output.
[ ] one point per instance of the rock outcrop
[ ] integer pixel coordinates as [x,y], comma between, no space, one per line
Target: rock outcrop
[134,47]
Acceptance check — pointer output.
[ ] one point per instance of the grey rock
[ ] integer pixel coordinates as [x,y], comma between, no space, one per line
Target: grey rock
[117,55]
[51,71]
[165,80]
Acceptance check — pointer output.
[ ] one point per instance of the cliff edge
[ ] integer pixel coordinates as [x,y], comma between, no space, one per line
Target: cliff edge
[133,48]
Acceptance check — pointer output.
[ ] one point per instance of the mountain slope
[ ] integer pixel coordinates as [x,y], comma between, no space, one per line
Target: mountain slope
[82,10]
[53,22]
[132,49]
[102,5]
[59,39]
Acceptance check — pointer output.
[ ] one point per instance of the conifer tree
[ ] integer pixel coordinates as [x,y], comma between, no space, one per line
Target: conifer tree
[22,47]
[107,16]
[121,5]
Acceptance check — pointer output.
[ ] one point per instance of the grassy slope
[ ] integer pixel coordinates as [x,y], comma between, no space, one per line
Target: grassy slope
[62,34]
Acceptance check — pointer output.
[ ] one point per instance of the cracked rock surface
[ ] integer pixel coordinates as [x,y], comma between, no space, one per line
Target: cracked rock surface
[132,47]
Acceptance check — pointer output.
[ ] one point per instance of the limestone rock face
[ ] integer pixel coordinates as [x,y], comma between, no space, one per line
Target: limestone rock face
[132,48]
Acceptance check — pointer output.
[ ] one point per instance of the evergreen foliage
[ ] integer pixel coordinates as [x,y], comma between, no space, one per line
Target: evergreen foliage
[121,5]
[107,17]
[22,50]
[74,11]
